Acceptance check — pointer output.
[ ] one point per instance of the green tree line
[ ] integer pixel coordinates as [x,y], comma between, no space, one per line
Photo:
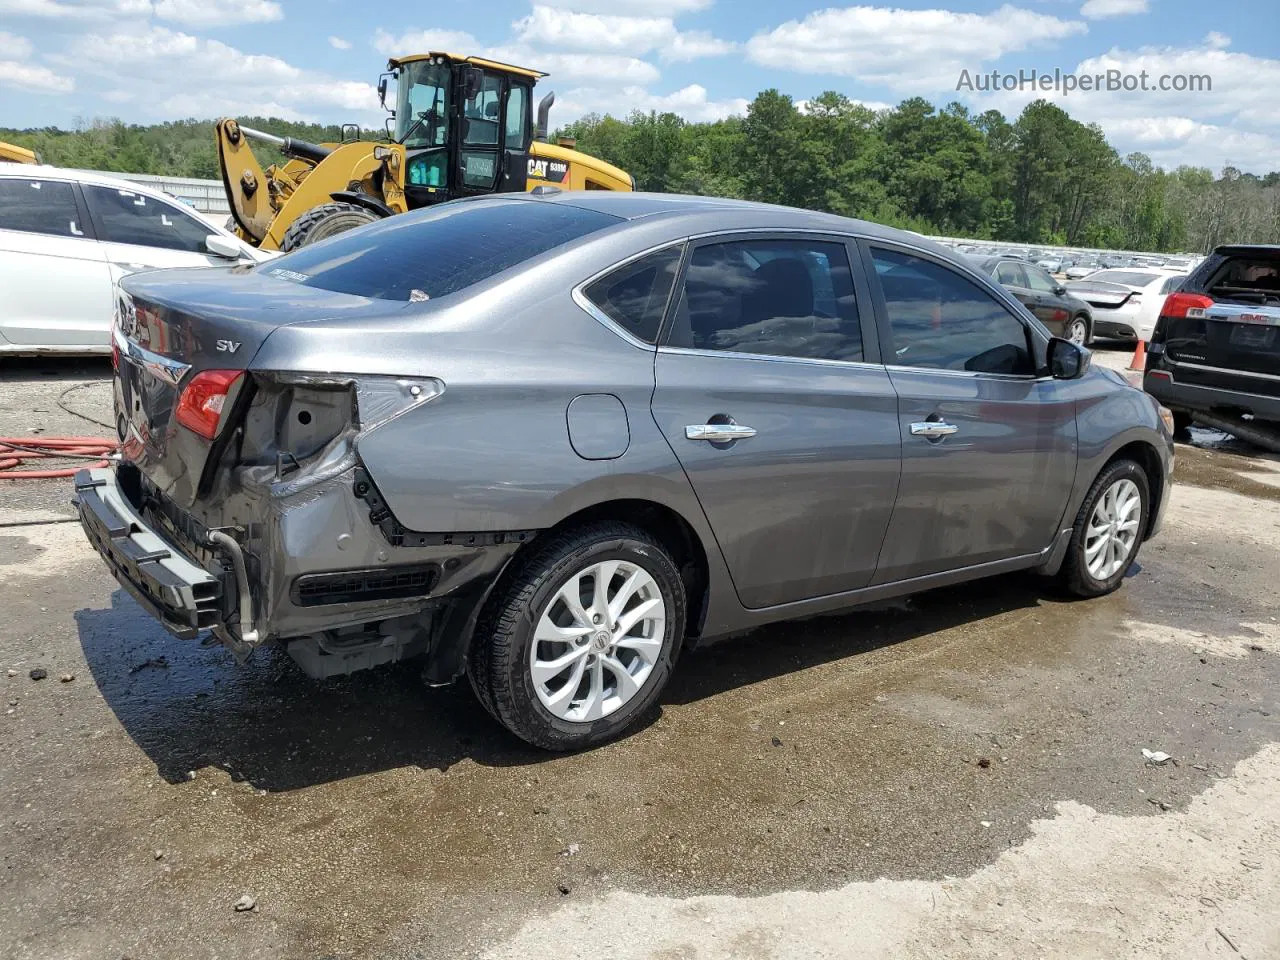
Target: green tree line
[1042,178]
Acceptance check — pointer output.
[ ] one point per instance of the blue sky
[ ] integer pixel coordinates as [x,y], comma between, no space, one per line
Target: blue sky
[149,60]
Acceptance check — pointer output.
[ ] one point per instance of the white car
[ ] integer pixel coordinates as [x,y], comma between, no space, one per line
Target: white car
[67,236]
[1126,302]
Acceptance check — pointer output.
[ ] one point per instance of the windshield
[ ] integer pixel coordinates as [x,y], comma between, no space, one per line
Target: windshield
[422,104]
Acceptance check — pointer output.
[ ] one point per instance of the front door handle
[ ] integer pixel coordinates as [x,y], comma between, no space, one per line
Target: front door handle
[933,429]
[719,432]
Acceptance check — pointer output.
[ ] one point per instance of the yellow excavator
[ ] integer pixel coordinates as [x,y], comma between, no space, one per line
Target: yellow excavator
[463,126]
[12,153]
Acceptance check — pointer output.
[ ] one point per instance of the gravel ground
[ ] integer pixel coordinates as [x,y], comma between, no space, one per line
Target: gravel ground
[957,774]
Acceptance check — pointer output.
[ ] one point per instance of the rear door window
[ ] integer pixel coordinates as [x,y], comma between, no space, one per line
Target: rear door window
[39,206]
[942,320]
[1040,281]
[1010,274]
[128,217]
[433,253]
[780,298]
[635,295]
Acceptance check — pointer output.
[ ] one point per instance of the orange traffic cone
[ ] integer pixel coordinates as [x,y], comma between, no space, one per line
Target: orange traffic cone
[1139,361]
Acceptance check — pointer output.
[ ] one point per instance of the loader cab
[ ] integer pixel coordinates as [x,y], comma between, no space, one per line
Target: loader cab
[466,125]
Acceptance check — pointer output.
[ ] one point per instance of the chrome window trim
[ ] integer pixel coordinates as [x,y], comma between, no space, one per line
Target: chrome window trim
[1226,370]
[778,358]
[1016,377]
[163,368]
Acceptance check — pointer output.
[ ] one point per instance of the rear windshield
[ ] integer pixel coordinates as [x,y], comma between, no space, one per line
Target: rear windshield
[1129,278]
[430,254]
[1247,280]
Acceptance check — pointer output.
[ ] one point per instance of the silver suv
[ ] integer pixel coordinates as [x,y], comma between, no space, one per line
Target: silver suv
[548,441]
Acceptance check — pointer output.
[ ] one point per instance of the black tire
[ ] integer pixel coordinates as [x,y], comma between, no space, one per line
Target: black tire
[498,663]
[325,221]
[1182,425]
[1088,329]
[1075,576]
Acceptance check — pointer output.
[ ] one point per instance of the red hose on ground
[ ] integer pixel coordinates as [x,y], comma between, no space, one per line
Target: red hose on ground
[15,451]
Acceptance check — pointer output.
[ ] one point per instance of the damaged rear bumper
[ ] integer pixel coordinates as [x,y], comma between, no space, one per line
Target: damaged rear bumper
[174,589]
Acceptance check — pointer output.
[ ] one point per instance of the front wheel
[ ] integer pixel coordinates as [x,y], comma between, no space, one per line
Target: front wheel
[1108,530]
[579,643]
[325,221]
[1078,331]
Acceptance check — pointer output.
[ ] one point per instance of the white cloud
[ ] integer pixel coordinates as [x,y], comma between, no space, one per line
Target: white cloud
[167,73]
[339,44]
[424,41]
[13,47]
[218,13]
[85,10]
[29,77]
[1205,127]
[1216,40]
[690,102]
[1100,9]
[599,33]
[906,50]
[652,8]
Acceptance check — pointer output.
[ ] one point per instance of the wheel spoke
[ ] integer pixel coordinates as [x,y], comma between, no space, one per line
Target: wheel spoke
[1128,526]
[548,632]
[593,706]
[625,592]
[544,671]
[571,595]
[627,686]
[646,648]
[1092,551]
[603,576]
[560,700]
[633,616]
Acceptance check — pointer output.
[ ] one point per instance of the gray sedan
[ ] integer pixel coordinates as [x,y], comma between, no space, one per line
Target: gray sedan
[547,442]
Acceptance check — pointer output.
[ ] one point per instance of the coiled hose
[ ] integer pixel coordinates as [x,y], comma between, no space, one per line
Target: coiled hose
[16,452]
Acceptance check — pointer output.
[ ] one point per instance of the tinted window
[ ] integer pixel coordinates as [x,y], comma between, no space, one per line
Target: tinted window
[942,320]
[128,217]
[517,116]
[1171,284]
[1040,281]
[39,206]
[432,253]
[635,295]
[481,112]
[785,298]
[1010,274]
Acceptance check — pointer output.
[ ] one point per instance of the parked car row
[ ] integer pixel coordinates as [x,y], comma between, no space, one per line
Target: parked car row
[546,441]
[66,237]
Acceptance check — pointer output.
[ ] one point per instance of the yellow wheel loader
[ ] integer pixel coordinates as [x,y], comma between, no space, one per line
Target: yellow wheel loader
[463,126]
[12,153]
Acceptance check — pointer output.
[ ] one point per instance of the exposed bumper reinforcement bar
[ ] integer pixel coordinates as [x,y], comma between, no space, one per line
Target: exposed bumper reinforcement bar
[182,595]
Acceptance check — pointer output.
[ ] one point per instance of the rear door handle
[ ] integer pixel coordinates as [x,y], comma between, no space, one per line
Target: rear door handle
[719,432]
[932,429]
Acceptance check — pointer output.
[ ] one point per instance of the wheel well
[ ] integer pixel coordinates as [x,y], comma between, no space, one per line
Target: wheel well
[672,530]
[1146,457]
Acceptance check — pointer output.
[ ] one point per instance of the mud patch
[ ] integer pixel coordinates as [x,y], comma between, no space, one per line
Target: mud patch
[16,550]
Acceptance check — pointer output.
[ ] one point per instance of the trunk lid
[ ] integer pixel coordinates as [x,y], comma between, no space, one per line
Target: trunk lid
[1100,293]
[171,326]
[1230,336]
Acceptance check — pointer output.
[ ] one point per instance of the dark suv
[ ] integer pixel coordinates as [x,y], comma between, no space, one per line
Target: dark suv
[1215,353]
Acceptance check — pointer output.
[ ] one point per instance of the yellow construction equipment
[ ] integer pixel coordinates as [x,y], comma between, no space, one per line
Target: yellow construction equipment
[12,153]
[463,126]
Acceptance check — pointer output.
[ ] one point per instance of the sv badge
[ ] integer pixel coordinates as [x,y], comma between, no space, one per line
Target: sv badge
[228,346]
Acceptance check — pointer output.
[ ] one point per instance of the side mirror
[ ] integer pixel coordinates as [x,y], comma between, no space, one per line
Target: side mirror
[1059,289]
[382,91]
[1067,360]
[221,246]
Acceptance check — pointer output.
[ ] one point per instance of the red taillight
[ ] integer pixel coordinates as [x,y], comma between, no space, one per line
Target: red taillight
[201,403]
[1192,305]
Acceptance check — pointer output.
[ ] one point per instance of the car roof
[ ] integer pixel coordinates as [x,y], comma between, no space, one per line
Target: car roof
[722,213]
[44,171]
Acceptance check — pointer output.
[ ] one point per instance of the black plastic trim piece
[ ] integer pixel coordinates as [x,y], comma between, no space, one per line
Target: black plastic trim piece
[363,586]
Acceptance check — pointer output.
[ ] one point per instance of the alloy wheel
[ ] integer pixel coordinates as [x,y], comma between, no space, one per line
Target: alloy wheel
[1078,332]
[597,641]
[1112,530]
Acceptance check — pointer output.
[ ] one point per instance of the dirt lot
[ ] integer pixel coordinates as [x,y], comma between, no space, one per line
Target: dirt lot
[957,775]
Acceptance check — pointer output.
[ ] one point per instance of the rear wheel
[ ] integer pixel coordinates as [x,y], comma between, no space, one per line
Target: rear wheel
[326,220]
[1108,530]
[582,639]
